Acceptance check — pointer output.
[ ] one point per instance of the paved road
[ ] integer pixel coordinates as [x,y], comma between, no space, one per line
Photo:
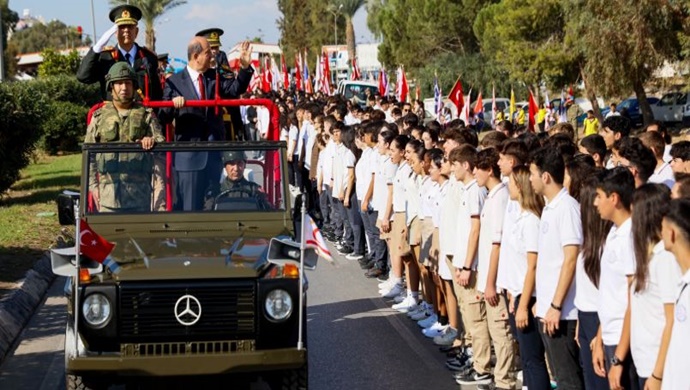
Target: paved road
[355,340]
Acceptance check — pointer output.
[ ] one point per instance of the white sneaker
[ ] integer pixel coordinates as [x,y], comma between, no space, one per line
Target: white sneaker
[394,291]
[400,297]
[409,303]
[428,322]
[421,308]
[420,315]
[447,338]
[386,284]
[434,330]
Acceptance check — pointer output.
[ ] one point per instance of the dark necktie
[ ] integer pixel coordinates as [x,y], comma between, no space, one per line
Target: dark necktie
[128,57]
[202,90]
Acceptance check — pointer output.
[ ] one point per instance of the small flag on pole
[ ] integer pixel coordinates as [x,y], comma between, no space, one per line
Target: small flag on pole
[457,97]
[314,239]
[95,247]
[438,102]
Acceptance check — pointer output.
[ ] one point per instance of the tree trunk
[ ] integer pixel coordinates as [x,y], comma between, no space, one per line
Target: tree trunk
[592,96]
[150,37]
[350,39]
[645,107]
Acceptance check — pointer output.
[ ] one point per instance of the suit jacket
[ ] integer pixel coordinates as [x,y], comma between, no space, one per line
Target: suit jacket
[94,66]
[196,123]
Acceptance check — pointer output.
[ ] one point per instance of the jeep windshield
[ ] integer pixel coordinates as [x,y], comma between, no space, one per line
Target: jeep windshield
[179,178]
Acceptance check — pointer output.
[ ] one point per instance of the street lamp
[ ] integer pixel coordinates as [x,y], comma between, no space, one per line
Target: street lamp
[335,11]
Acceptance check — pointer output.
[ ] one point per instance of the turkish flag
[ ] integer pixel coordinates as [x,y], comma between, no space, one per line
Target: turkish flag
[456,96]
[533,110]
[92,245]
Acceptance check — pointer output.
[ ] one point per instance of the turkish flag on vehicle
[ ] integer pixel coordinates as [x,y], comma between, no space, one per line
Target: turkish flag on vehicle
[92,245]
[456,96]
[533,110]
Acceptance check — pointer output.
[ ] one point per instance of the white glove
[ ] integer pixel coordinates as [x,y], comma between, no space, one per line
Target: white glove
[98,47]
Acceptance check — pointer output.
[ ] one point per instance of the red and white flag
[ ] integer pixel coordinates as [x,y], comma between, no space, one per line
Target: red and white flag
[465,112]
[93,245]
[283,68]
[326,74]
[266,76]
[457,97]
[355,71]
[383,83]
[402,89]
[494,108]
[314,239]
[298,72]
[533,110]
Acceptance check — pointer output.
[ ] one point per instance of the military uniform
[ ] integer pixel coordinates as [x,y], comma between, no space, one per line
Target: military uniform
[222,65]
[240,188]
[94,66]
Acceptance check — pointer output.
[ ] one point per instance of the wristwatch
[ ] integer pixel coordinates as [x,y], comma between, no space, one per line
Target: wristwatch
[615,361]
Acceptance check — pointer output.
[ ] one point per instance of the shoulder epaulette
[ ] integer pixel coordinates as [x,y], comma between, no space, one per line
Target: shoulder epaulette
[108,48]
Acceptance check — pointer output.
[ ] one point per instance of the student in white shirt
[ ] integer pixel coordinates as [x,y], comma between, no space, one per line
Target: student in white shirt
[294,148]
[662,172]
[495,327]
[519,245]
[638,158]
[383,185]
[560,238]
[594,232]
[675,231]
[350,156]
[463,161]
[333,230]
[660,127]
[611,347]
[341,165]
[680,157]
[653,292]
[365,171]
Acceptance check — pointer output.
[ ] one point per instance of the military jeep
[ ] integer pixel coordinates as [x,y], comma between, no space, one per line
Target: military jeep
[213,290]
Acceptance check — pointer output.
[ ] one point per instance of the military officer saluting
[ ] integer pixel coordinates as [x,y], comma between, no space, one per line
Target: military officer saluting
[95,65]
[122,181]
[220,62]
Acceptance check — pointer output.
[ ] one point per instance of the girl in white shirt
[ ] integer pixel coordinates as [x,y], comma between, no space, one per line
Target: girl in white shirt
[653,292]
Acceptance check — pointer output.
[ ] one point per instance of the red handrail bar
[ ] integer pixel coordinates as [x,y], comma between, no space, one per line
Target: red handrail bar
[273,133]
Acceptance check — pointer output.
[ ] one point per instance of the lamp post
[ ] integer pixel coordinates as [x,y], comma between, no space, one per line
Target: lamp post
[335,11]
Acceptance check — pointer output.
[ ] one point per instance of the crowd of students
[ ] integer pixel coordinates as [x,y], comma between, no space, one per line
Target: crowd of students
[567,259]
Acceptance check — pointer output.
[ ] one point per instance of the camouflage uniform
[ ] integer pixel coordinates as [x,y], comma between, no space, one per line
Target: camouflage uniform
[123,180]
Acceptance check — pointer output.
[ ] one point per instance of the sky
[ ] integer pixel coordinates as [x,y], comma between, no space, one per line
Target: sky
[239,18]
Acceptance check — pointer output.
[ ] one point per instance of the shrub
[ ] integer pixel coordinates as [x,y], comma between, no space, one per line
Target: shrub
[64,128]
[22,113]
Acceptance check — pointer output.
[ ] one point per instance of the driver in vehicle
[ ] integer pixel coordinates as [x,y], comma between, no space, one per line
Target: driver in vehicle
[235,191]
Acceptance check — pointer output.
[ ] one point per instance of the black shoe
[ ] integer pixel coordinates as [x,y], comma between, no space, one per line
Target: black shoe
[375,272]
[384,276]
[346,250]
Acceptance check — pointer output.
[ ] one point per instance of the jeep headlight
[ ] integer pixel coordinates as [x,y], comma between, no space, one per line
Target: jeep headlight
[278,305]
[96,310]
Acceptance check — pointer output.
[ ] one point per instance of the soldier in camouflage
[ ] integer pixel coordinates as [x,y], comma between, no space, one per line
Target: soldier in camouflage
[235,185]
[123,181]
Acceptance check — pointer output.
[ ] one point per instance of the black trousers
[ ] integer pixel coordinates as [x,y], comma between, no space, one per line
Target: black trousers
[564,355]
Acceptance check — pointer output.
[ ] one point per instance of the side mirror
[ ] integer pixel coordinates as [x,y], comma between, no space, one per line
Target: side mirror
[285,249]
[65,205]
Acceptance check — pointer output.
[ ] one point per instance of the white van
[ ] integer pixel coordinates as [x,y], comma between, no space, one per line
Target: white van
[355,90]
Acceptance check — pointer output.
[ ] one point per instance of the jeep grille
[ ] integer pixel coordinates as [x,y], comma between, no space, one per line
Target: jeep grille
[190,348]
[147,311]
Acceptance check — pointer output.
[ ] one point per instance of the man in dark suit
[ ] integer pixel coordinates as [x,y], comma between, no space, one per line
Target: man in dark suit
[196,170]
[96,63]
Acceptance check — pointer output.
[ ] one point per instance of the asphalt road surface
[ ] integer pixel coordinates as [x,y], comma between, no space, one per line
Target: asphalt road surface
[355,340]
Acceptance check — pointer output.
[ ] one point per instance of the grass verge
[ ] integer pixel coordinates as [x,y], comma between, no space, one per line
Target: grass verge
[28,218]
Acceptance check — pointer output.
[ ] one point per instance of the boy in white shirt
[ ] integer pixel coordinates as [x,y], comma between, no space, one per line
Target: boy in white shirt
[663,173]
[560,238]
[494,326]
[463,161]
[614,195]
[675,231]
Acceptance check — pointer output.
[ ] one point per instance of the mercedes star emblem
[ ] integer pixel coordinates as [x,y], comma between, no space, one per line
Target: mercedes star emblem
[187,310]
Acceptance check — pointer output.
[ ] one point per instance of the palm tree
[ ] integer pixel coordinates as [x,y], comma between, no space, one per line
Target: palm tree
[349,9]
[150,11]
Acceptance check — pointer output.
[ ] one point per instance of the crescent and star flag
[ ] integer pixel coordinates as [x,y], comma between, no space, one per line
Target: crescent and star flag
[383,83]
[92,245]
[533,110]
[355,70]
[402,89]
[298,72]
[465,113]
[314,239]
[457,97]
[283,66]
[266,77]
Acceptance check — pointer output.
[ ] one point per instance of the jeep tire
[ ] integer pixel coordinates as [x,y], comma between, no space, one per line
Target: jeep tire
[296,379]
[76,382]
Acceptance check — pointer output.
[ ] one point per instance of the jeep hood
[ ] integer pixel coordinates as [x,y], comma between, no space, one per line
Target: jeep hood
[188,258]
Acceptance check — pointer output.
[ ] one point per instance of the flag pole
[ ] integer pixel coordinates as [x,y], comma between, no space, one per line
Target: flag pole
[77,251]
[300,342]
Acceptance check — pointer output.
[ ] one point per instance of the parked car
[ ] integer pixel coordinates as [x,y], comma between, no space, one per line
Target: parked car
[357,90]
[671,107]
[632,107]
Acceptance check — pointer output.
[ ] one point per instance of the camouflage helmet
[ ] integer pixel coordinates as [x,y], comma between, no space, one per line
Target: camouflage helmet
[119,71]
[233,155]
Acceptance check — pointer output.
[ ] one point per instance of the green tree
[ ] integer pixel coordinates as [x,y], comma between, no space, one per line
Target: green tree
[623,42]
[54,34]
[305,24]
[349,9]
[150,11]
[55,63]
[9,19]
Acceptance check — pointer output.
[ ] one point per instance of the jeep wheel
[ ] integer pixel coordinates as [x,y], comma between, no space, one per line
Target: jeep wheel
[296,379]
[76,382]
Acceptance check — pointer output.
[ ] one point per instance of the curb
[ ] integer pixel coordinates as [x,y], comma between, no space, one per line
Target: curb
[17,307]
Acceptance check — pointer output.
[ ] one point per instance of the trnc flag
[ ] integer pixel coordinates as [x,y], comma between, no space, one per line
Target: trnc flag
[93,245]
[255,83]
[318,74]
[533,110]
[465,113]
[326,74]
[438,101]
[479,105]
[283,68]
[402,89]
[314,239]
[512,104]
[457,97]
[276,77]
[383,83]
[298,72]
